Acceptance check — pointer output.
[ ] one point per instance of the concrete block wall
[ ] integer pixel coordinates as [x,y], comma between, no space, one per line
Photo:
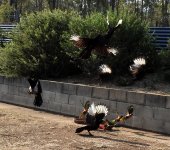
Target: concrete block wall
[151,110]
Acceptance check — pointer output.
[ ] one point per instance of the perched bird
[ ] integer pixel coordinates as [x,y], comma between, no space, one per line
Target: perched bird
[99,43]
[109,124]
[104,72]
[94,118]
[137,68]
[35,88]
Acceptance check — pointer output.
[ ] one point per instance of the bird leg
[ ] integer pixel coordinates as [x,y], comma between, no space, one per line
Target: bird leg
[90,133]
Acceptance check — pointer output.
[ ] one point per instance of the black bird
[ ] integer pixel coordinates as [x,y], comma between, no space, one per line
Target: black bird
[94,118]
[99,43]
[35,88]
[137,69]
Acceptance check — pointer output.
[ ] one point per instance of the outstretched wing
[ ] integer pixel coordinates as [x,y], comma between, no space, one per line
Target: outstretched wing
[79,41]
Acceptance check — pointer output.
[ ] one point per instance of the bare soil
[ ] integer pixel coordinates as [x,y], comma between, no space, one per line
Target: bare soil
[29,129]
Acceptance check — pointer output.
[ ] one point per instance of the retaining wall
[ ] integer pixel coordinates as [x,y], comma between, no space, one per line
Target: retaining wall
[152,112]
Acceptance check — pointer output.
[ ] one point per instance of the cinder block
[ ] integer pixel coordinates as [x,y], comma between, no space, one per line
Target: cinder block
[167,127]
[1,79]
[55,107]
[14,90]
[24,83]
[44,85]
[167,101]
[3,88]
[76,100]
[113,106]
[84,90]
[162,114]
[23,91]
[122,107]
[55,86]
[155,100]
[119,95]
[102,93]
[136,122]
[78,110]
[69,89]
[143,111]
[48,96]
[135,98]
[61,98]
[153,125]
[68,109]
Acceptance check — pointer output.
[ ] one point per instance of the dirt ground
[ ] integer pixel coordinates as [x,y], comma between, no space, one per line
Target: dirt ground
[28,129]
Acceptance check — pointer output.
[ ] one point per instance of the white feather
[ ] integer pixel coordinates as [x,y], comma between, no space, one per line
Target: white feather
[75,38]
[119,22]
[92,110]
[112,50]
[101,109]
[105,69]
[139,61]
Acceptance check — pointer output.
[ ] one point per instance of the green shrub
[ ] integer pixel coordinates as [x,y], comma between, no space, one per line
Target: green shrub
[40,45]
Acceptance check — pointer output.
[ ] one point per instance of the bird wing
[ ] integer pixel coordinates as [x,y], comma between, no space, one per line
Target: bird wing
[79,41]
[85,54]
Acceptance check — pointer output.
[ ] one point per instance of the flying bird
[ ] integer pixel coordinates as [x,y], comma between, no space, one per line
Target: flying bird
[137,69]
[104,72]
[35,88]
[99,43]
[94,118]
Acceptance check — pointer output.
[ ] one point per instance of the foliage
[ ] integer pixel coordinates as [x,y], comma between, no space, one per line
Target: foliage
[5,12]
[40,45]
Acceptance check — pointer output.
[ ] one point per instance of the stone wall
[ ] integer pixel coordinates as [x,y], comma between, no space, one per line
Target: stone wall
[151,111]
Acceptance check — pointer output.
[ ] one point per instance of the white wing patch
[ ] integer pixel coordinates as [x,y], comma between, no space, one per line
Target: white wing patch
[112,50]
[93,110]
[75,38]
[105,69]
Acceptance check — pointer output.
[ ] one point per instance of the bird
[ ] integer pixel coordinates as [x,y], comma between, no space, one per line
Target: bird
[85,110]
[99,43]
[94,118]
[35,88]
[137,69]
[104,72]
[109,124]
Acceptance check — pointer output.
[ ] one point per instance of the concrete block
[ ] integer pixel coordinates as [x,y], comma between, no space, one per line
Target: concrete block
[119,95]
[78,111]
[1,79]
[153,125]
[167,127]
[155,100]
[84,90]
[76,100]
[162,114]
[14,90]
[23,91]
[24,83]
[55,107]
[135,98]
[48,96]
[135,122]
[68,109]
[55,86]
[61,98]
[3,88]
[113,106]
[143,111]
[69,88]
[167,101]
[44,85]
[102,93]
[122,107]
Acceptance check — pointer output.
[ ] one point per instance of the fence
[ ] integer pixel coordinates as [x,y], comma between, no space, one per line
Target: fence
[161,35]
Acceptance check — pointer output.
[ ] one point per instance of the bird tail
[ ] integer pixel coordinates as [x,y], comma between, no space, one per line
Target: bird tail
[78,130]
